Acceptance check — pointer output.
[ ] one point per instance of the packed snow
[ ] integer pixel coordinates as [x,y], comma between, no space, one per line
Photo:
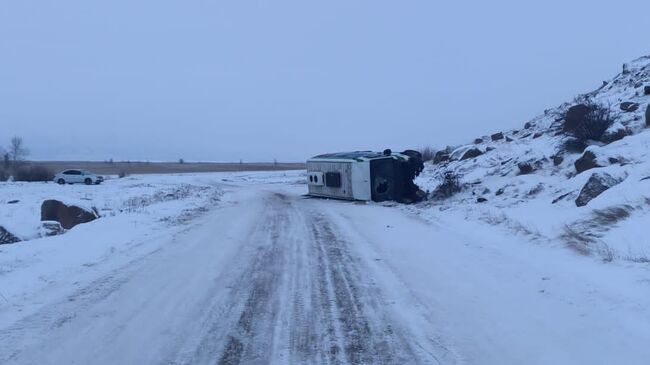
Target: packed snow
[144,288]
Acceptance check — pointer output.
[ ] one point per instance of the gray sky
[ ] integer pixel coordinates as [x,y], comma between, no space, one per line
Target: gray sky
[257,80]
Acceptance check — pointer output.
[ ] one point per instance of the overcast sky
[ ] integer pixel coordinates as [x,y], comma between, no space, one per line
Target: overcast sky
[258,80]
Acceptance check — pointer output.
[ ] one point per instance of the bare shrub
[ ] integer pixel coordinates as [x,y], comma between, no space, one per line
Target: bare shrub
[449,186]
[33,174]
[606,252]
[17,150]
[592,125]
[536,189]
[585,236]
[639,259]
[512,225]
[427,153]
[6,161]
[122,174]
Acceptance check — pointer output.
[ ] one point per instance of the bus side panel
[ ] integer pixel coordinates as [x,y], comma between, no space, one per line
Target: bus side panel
[344,169]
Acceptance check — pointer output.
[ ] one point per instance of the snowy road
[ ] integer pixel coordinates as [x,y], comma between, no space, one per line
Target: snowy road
[268,280]
[274,278]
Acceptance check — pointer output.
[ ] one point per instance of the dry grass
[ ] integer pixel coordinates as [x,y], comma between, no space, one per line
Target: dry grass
[577,241]
[512,225]
[610,216]
[585,236]
[127,168]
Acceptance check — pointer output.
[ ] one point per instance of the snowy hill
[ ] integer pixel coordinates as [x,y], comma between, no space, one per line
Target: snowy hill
[528,181]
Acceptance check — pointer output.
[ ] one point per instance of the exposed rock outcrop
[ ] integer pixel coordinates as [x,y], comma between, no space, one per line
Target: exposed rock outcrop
[441,156]
[497,136]
[68,216]
[597,184]
[586,161]
[614,133]
[525,168]
[471,153]
[7,237]
[628,106]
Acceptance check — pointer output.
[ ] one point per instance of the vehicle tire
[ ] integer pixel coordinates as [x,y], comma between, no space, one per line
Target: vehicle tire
[88,181]
[60,182]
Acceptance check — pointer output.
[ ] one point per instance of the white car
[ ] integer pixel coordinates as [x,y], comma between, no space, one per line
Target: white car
[77,177]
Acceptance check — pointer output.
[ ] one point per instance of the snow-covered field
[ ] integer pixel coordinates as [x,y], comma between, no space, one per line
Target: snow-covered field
[138,215]
[244,269]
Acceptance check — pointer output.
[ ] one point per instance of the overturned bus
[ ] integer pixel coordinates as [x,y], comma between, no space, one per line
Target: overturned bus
[366,175]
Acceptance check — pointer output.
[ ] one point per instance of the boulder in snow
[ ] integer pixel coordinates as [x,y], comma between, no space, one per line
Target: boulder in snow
[586,161]
[7,237]
[68,216]
[629,106]
[440,156]
[558,159]
[497,136]
[478,141]
[647,116]
[614,133]
[525,168]
[51,228]
[613,160]
[471,153]
[596,185]
[646,90]
[508,139]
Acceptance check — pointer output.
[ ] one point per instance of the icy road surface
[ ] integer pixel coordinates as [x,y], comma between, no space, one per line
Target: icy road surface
[274,278]
[268,280]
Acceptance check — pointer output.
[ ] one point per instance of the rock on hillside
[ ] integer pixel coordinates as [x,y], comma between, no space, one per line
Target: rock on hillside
[597,184]
[532,176]
[67,215]
[7,237]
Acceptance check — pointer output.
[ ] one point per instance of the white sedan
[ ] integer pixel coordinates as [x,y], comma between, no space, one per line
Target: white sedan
[77,177]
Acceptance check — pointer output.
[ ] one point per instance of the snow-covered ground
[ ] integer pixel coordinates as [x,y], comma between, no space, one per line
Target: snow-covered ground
[138,215]
[260,274]
[541,205]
